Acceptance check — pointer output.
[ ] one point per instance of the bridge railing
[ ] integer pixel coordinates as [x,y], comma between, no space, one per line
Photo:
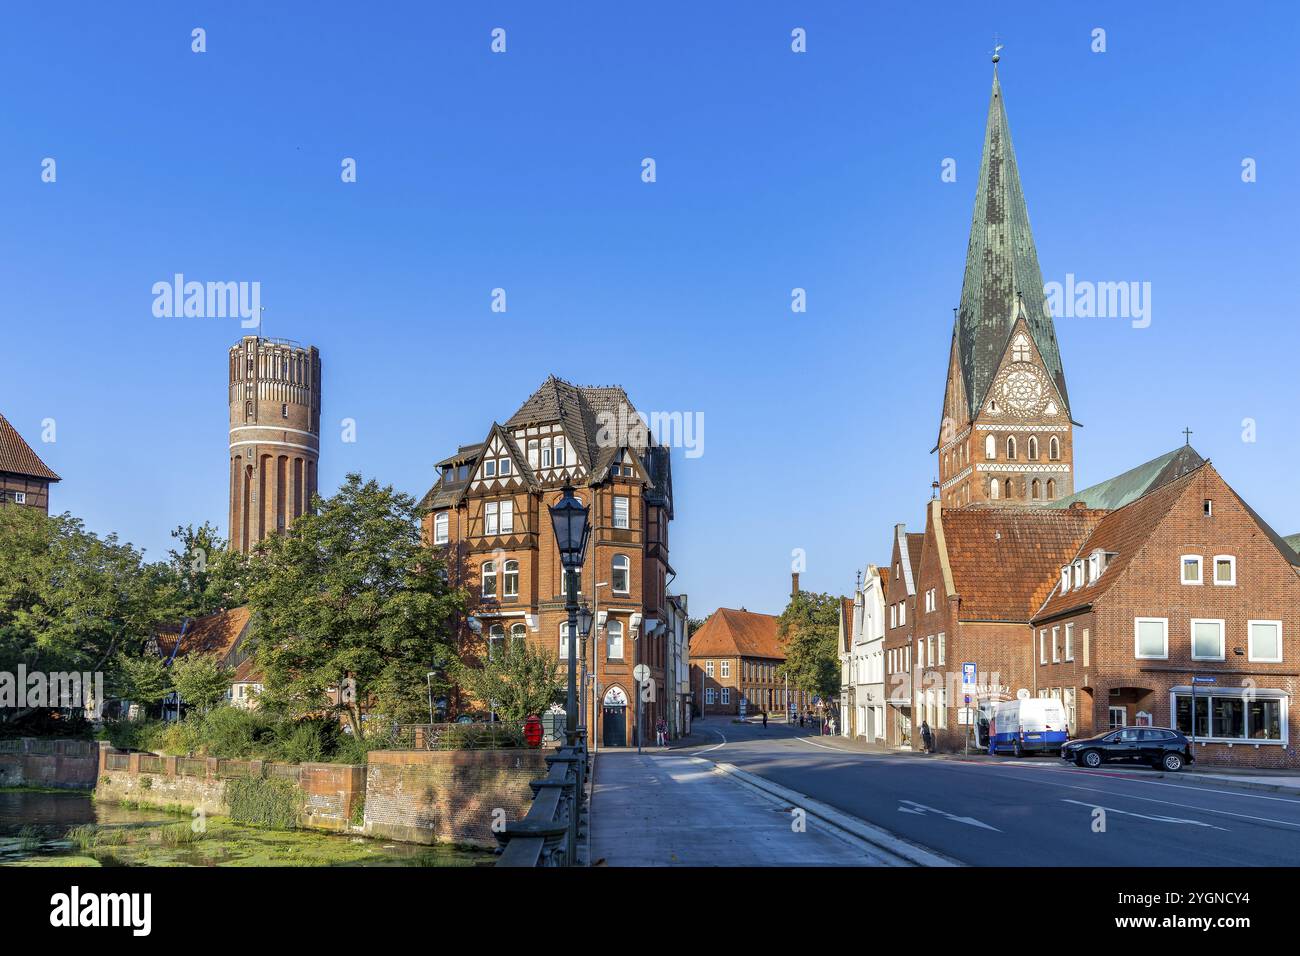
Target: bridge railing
[549,833]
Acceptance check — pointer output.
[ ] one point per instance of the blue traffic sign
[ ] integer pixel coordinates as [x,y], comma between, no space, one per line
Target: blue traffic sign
[1205,680]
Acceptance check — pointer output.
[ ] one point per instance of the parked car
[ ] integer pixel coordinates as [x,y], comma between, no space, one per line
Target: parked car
[1161,747]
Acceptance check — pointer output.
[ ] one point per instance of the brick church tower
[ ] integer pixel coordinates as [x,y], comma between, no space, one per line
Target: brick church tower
[1005,437]
[274,436]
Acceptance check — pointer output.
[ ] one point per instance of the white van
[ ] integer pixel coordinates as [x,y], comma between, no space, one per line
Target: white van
[1032,725]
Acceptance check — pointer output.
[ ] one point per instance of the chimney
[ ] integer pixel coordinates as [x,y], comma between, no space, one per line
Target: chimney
[794,584]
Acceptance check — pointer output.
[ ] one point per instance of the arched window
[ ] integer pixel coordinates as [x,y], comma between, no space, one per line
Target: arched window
[622,574]
[1033,448]
[614,640]
[510,582]
[1035,490]
[518,634]
[1051,490]
[1020,349]
[1054,449]
[496,641]
[489,579]
[990,448]
[1011,448]
[564,642]
[995,490]
[1006,488]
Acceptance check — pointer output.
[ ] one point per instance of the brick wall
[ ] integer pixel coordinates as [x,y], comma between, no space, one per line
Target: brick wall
[33,762]
[448,796]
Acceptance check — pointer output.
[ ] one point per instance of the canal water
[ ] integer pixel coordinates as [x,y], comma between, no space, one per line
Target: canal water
[52,828]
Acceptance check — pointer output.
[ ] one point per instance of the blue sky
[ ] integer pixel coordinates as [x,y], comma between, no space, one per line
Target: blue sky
[522,171]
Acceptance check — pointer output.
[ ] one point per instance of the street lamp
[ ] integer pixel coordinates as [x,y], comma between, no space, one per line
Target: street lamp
[569,520]
[585,618]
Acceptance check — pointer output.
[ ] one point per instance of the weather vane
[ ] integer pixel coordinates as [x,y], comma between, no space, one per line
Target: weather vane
[996,47]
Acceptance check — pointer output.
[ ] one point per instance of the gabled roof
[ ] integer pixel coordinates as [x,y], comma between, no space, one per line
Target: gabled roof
[17,457]
[1005,561]
[1293,542]
[1117,492]
[732,633]
[905,543]
[215,634]
[846,623]
[1001,267]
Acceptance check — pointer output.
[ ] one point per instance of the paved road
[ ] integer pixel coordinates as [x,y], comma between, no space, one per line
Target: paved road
[666,809]
[1027,812]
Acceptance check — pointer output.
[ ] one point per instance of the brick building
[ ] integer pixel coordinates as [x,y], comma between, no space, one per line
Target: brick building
[736,655]
[488,508]
[1179,590]
[274,397]
[24,479]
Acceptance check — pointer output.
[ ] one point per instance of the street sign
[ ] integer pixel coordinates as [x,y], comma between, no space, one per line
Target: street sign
[968,674]
[641,672]
[1204,680]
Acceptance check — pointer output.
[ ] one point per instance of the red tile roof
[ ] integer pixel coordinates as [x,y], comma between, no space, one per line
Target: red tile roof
[247,672]
[732,633]
[1121,533]
[17,457]
[883,574]
[1005,561]
[211,634]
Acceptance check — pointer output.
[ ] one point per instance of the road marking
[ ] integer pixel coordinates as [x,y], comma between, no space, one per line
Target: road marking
[922,809]
[838,750]
[696,753]
[1144,816]
[1137,779]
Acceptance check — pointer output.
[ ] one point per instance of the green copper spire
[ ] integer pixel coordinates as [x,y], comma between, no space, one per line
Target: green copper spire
[1002,275]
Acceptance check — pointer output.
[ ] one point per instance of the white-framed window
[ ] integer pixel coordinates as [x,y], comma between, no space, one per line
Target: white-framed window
[1067,701]
[564,641]
[1191,565]
[546,454]
[532,453]
[507,516]
[503,466]
[1069,642]
[1094,566]
[441,526]
[929,651]
[489,576]
[1225,569]
[1011,448]
[1020,349]
[496,641]
[902,613]
[559,452]
[941,648]
[1118,716]
[518,634]
[726,695]
[622,574]
[1207,639]
[614,640]
[708,668]
[709,695]
[1053,449]
[1056,645]
[1233,714]
[510,579]
[990,448]
[490,511]
[1065,579]
[1207,507]
[726,668]
[490,468]
[1078,574]
[1151,637]
[20,497]
[893,615]
[620,511]
[1042,646]
[995,489]
[1264,641]
[1032,447]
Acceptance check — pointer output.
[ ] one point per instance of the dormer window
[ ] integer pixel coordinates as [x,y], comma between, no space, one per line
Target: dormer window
[1065,579]
[546,455]
[1096,562]
[1078,574]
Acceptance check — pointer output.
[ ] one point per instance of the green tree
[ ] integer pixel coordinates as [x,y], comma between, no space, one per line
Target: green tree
[204,574]
[70,600]
[144,679]
[694,624]
[350,597]
[200,680]
[808,629]
[518,679]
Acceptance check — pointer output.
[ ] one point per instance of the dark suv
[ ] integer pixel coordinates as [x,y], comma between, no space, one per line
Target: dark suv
[1161,747]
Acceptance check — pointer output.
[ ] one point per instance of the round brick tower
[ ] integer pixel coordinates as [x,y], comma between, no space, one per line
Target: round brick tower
[274,436]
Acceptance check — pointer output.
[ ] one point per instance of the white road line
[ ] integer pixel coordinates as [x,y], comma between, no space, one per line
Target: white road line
[1188,806]
[696,753]
[1144,816]
[838,750]
[1150,783]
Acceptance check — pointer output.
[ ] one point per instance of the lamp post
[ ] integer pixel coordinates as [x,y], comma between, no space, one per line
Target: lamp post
[585,618]
[569,520]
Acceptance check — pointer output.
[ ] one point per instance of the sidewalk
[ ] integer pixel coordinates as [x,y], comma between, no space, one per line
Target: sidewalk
[666,809]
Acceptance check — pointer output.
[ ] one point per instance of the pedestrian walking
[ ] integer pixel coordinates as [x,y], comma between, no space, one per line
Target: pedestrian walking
[661,732]
[802,718]
[765,720]
[927,738]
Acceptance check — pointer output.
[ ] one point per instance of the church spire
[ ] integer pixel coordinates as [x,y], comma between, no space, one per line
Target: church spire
[1001,267]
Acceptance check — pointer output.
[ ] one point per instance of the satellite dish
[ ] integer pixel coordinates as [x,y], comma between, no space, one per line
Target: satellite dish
[1022,694]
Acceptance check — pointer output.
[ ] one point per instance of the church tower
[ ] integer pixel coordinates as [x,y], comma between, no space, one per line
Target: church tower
[274,436]
[1005,437]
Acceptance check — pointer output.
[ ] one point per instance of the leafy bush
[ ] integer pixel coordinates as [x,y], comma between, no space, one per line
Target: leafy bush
[126,734]
[307,741]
